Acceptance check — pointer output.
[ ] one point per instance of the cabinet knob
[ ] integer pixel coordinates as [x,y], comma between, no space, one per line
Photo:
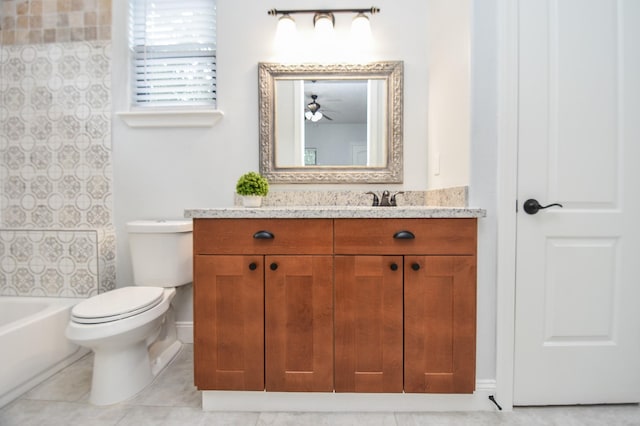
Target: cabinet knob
[404,235]
[253,266]
[394,266]
[415,266]
[273,266]
[263,235]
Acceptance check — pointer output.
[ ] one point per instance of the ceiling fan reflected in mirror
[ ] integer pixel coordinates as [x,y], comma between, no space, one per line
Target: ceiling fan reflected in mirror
[313,112]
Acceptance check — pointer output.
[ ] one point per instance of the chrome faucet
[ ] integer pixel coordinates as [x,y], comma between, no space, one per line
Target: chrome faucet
[386,200]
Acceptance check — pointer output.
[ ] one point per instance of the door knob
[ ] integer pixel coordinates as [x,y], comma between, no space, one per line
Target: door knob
[531,206]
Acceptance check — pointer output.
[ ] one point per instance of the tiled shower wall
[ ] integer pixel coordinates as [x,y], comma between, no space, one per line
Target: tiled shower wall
[56,232]
[54,21]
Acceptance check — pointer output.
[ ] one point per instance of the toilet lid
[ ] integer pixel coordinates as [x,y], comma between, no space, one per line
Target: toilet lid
[116,304]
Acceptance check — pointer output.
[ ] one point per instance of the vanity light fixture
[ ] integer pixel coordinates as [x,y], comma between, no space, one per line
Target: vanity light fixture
[361,27]
[286,32]
[323,23]
[286,25]
[324,20]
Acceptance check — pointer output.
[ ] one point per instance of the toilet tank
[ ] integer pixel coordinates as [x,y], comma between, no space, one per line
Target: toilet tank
[161,252]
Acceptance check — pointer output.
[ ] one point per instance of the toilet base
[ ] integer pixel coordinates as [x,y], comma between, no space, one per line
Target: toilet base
[163,359]
[120,375]
[121,372]
[165,344]
[130,352]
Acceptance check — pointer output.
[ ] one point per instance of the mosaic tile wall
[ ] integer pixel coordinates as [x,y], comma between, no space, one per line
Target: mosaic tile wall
[51,263]
[54,21]
[55,169]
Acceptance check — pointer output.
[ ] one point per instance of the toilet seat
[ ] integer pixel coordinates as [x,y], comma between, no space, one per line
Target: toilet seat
[116,304]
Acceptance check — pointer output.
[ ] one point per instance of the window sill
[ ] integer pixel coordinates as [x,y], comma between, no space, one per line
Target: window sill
[171,118]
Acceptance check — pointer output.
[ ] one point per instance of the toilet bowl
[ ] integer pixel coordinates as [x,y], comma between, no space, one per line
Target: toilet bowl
[131,330]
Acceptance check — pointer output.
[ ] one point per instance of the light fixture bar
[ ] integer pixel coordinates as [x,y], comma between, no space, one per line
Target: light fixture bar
[275,12]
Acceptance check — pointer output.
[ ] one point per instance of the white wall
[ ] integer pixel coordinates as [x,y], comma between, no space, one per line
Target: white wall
[160,172]
[448,44]
[483,172]
[462,134]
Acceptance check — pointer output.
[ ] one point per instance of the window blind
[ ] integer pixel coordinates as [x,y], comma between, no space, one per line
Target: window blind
[173,45]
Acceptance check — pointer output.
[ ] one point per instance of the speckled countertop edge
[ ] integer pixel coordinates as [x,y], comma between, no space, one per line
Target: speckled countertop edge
[335,212]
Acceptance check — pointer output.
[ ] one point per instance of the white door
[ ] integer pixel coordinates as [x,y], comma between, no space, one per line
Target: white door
[578,267]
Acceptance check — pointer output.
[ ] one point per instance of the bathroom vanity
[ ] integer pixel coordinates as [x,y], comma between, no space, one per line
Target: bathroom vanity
[334,300]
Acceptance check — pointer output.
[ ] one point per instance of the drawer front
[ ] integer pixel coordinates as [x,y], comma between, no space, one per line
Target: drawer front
[405,236]
[263,236]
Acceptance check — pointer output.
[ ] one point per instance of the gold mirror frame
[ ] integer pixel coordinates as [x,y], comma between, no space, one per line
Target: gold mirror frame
[390,71]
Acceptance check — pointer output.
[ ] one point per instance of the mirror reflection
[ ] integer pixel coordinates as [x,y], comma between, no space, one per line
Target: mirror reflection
[329,122]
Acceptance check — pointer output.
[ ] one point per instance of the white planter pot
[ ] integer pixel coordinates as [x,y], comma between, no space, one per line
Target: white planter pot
[252,200]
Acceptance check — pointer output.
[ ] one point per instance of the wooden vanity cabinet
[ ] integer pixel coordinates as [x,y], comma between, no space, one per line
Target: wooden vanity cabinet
[355,305]
[405,288]
[263,304]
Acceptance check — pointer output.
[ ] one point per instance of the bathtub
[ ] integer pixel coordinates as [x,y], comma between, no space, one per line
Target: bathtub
[32,341]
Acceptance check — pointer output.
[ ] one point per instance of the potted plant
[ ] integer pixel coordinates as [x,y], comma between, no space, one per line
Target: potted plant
[252,187]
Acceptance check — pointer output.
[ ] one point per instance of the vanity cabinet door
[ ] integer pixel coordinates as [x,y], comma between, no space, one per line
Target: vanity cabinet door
[229,322]
[299,323]
[439,324]
[368,323]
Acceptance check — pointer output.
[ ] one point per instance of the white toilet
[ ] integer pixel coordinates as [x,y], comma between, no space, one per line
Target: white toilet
[131,330]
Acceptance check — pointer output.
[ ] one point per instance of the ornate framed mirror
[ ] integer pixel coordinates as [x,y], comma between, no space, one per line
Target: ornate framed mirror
[337,123]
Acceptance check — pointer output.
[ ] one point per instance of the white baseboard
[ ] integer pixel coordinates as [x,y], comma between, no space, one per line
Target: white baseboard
[349,402]
[185,331]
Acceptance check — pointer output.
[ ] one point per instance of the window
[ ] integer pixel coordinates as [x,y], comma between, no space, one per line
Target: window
[173,45]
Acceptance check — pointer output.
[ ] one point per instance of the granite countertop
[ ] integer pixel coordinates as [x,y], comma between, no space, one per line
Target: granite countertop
[335,212]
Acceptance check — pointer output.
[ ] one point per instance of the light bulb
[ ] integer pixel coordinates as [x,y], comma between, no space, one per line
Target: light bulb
[324,39]
[316,116]
[286,24]
[286,33]
[361,31]
[308,115]
[323,23]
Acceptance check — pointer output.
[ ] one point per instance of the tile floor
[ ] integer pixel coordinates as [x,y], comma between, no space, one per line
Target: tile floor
[172,400]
